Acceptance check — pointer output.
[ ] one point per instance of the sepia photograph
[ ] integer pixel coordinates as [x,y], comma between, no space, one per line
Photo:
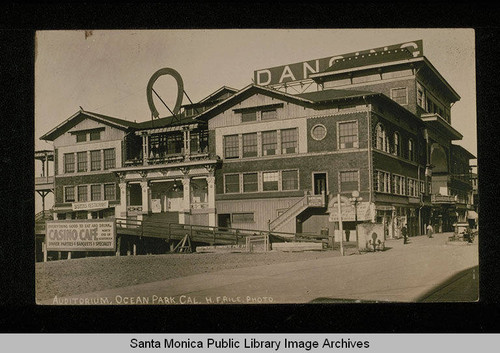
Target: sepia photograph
[255,166]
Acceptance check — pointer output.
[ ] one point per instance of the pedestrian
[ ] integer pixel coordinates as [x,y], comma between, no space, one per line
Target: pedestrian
[404,231]
[430,231]
[347,235]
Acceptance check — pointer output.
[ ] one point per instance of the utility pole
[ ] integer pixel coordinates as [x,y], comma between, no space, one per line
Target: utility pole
[340,226]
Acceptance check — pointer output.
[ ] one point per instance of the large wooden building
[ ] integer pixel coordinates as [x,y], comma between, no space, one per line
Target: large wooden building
[274,154]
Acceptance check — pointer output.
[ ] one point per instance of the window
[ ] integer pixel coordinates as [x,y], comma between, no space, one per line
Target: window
[318,132]
[95,135]
[420,96]
[290,180]
[270,181]
[422,187]
[289,141]
[95,160]
[82,193]
[400,95]
[95,192]
[397,144]
[232,183]
[109,192]
[269,143]
[348,135]
[399,185]
[69,194]
[69,163]
[231,146]
[412,187]
[381,138]
[250,182]
[383,182]
[250,145]
[349,181]
[81,137]
[243,217]
[109,158]
[411,150]
[248,116]
[269,115]
[82,161]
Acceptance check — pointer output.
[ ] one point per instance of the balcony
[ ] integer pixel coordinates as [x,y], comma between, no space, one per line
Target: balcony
[167,159]
[44,183]
[443,199]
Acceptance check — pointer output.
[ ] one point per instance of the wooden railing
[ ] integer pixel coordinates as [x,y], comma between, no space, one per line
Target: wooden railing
[299,206]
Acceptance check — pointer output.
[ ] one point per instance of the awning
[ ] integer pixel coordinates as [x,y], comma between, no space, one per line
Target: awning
[472,214]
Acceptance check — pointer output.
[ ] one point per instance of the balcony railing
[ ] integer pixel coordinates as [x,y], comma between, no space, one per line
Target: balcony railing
[44,180]
[443,199]
[167,159]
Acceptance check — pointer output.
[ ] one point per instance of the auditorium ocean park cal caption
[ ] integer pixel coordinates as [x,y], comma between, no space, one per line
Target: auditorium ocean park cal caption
[368,133]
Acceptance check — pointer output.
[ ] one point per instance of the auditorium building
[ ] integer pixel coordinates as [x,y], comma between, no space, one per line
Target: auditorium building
[275,154]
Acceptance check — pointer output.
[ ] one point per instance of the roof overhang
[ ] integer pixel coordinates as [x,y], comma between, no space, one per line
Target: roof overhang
[435,121]
[463,151]
[167,129]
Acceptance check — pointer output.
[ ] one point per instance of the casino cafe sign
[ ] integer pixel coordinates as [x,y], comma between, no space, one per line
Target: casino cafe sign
[301,71]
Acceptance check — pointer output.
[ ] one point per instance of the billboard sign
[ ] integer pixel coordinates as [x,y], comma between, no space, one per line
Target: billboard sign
[81,235]
[302,70]
[91,205]
[365,212]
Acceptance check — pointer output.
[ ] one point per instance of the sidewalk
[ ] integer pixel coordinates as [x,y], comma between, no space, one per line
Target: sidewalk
[402,273]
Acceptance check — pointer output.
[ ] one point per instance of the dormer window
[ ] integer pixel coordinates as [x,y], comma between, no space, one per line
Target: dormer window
[81,137]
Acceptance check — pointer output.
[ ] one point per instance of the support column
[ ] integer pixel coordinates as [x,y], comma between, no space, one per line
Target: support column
[121,208]
[183,215]
[211,201]
[187,144]
[145,149]
[145,196]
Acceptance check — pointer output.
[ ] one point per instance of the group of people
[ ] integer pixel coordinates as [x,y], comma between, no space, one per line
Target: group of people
[404,232]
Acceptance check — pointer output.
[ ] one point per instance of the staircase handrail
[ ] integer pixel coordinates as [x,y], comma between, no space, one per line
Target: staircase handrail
[284,216]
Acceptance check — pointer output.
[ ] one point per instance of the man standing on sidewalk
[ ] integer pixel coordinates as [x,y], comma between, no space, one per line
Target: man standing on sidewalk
[404,231]
[430,231]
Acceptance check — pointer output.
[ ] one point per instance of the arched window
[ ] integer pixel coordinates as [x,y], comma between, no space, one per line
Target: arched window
[381,137]
[397,144]
[411,150]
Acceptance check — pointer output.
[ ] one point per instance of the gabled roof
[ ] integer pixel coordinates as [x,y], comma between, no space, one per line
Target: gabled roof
[219,92]
[166,121]
[81,115]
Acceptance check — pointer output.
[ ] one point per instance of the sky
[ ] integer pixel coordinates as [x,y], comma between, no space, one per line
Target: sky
[107,71]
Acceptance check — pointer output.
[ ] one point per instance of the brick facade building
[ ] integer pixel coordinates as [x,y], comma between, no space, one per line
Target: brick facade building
[377,122]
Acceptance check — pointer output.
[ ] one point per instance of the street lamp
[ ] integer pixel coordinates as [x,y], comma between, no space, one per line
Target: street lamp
[355,199]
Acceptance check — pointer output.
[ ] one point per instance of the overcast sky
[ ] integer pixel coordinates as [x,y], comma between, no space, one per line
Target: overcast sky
[107,72]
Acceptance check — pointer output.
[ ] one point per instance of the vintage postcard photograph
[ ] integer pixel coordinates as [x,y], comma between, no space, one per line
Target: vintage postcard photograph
[255,166]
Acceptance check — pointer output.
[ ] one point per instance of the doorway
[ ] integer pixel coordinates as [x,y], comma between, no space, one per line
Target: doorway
[224,220]
[319,183]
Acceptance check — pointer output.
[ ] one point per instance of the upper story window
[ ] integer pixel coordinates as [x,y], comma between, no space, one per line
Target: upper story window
[400,95]
[397,144]
[381,138]
[82,161]
[318,132]
[81,137]
[231,183]
[95,160]
[95,192]
[411,150]
[250,145]
[95,135]
[383,182]
[269,114]
[248,116]
[290,180]
[399,187]
[69,163]
[270,181]
[82,193]
[109,158]
[109,192]
[289,141]
[69,194]
[269,143]
[348,134]
[231,146]
[250,182]
[349,181]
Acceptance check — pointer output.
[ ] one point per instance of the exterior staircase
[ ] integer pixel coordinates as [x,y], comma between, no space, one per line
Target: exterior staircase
[296,209]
